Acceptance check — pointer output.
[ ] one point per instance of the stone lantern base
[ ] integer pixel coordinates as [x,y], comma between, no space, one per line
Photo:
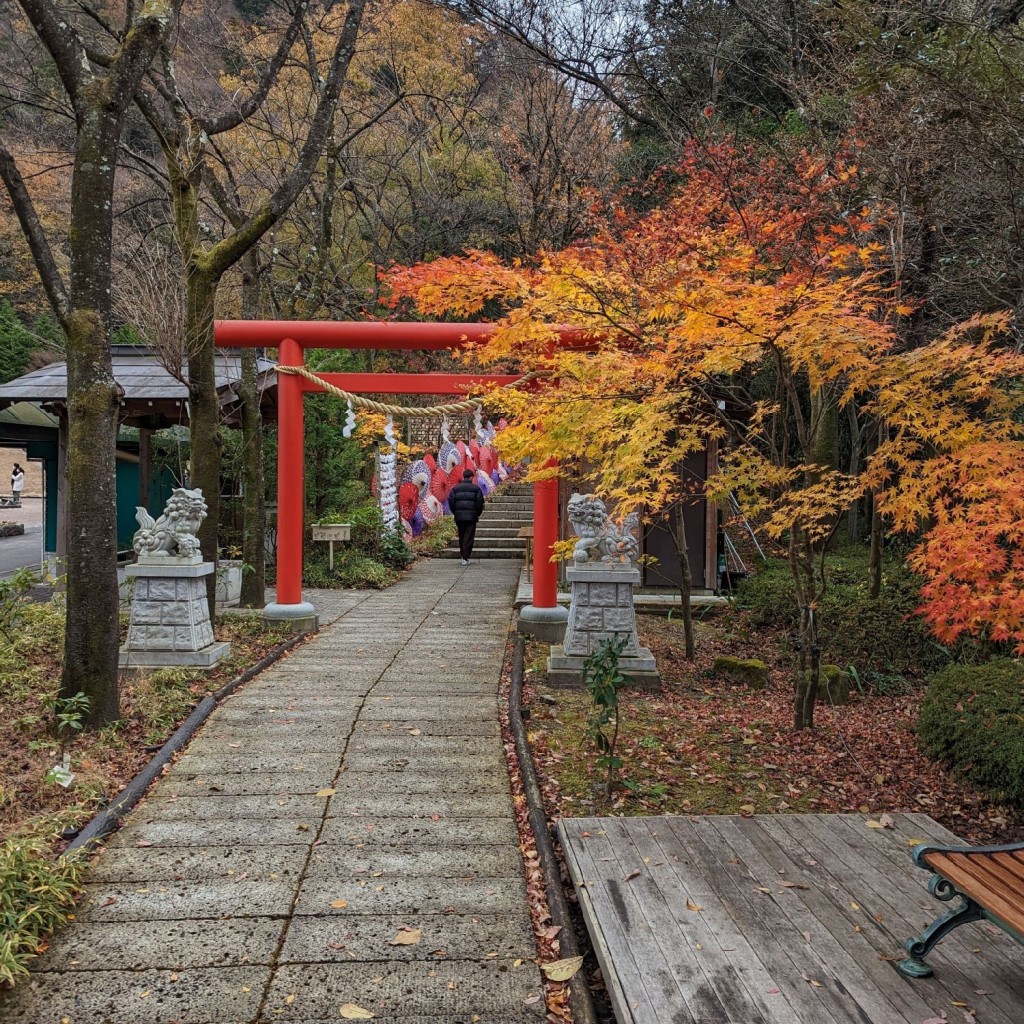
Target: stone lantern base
[170,619]
[600,609]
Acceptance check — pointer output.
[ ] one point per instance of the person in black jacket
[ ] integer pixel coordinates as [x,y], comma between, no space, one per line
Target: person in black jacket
[466,503]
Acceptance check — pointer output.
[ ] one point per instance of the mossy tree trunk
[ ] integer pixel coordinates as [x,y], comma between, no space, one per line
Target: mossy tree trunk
[253,483]
[185,139]
[100,96]
[805,690]
[678,532]
[206,442]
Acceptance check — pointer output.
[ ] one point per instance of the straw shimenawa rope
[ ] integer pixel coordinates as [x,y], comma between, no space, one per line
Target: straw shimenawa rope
[469,405]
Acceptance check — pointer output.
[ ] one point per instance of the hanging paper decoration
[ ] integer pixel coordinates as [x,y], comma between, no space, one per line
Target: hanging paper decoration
[389,479]
[350,421]
[444,430]
[478,423]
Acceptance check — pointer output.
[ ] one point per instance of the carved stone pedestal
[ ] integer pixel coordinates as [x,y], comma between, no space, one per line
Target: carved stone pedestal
[600,609]
[170,620]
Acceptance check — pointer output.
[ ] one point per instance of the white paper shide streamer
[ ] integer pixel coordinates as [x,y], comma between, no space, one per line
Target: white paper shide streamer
[350,420]
[389,478]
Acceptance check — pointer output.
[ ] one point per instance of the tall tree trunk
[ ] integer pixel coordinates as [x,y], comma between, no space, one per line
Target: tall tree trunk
[824,434]
[853,512]
[876,551]
[92,626]
[685,579]
[253,484]
[877,544]
[805,689]
[99,98]
[206,442]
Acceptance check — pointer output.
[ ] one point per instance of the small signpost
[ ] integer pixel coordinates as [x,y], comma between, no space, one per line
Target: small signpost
[331,532]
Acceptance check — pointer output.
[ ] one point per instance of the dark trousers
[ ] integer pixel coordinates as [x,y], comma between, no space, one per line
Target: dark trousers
[467,534]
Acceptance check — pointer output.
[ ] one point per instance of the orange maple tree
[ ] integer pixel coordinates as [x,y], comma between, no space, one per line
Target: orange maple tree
[749,305]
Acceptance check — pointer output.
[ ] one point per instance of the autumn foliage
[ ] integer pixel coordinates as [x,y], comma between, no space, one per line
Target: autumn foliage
[750,304]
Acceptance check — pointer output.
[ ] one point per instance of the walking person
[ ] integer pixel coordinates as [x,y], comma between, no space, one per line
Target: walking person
[17,483]
[466,502]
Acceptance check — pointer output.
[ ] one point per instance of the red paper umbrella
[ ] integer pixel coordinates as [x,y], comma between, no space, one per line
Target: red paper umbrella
[430,461]
[439,485]
[408,499]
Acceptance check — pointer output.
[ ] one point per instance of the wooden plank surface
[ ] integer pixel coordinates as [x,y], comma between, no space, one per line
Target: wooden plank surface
[778,919]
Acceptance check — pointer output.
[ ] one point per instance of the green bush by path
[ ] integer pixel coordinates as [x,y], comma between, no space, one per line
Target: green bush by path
[972,720]
[882,640]
[36,896]
[436,537]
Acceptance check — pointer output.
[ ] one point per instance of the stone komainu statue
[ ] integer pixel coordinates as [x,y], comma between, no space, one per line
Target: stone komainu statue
[600,538]
[174,533]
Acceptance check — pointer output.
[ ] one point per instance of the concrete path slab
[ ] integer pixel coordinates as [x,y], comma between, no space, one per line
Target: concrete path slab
[356,790]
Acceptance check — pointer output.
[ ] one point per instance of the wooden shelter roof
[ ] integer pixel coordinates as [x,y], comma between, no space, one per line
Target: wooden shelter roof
[151,395]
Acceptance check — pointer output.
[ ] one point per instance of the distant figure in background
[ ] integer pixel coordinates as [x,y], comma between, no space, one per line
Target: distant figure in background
[17,482]
[466,502]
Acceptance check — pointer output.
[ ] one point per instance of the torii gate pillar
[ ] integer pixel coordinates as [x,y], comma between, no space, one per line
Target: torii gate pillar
[544,619]
[288,605]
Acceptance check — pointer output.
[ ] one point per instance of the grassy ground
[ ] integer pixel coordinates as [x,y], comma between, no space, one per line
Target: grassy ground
[38,887]
[153,705]
[702,746]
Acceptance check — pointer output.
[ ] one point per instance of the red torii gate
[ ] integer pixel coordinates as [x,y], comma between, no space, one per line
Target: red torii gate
[291,339]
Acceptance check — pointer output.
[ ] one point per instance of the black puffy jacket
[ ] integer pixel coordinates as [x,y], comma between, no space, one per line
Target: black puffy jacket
[466,502]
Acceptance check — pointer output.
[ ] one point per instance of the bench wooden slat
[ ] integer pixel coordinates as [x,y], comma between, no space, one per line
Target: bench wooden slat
[983,877]
[1012,864]
[978,877]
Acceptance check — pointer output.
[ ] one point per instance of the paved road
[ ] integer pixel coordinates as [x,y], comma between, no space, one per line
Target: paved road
[353,794]
[27,549]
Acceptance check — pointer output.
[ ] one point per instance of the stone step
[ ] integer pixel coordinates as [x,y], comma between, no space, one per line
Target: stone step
[496,542]
[506,553]
[511,505]
[502,517]
[486,529]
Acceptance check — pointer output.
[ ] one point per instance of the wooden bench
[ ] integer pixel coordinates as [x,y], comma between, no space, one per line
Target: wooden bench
[988,879]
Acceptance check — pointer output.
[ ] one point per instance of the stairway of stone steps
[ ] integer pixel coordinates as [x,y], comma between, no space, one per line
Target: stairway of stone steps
[506,512]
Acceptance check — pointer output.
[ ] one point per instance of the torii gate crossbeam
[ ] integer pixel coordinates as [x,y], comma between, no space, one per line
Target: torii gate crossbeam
[291,338]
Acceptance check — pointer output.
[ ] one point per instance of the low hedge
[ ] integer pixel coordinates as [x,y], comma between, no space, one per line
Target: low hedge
[972,720]
[882,639]
[36,895]
[8,529]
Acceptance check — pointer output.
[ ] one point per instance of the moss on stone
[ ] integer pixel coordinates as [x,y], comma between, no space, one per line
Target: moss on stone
[749,672]
[834,685]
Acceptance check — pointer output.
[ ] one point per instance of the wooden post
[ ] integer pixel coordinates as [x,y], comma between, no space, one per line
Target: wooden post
[62,486]
[145,464]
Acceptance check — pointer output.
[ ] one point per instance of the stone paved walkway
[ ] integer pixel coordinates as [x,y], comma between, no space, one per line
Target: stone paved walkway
[355,789]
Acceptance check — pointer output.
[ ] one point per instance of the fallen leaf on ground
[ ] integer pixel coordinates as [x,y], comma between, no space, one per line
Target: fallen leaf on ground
[562,970]
[695,907]
[352,1012]
[632,874]
[415,732]
[793,885]
[340,904]
[407,937]
[326,792]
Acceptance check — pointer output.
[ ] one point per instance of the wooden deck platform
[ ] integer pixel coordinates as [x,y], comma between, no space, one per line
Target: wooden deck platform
[778,919]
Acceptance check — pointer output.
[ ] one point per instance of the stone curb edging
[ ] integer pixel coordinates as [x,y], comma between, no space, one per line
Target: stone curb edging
[110,816]
[580,998]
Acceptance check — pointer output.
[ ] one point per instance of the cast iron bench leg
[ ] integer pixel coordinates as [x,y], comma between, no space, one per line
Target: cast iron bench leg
[942,889]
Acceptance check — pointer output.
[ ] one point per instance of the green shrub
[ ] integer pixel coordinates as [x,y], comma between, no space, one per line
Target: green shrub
[881,639]
[367,524]
[436,537]
[358,571]
[36,896]
[351,569]
[394,552]
[972,720]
